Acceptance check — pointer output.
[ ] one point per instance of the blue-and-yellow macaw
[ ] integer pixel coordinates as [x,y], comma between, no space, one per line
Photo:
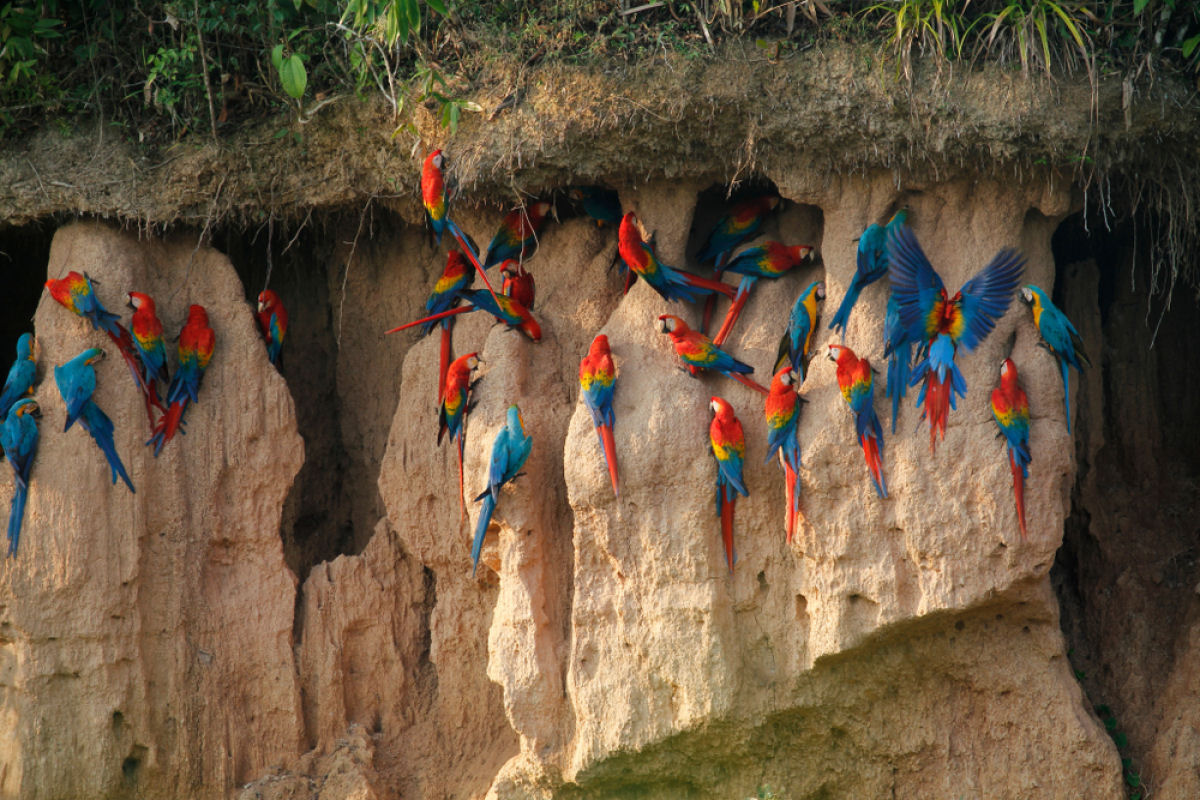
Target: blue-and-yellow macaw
[21,375]
[76,381]
[1058,336]
[871,265]
[509,451]
[796,342]
[19,438]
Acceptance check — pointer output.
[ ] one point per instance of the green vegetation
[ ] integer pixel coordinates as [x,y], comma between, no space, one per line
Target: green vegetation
[1133,780]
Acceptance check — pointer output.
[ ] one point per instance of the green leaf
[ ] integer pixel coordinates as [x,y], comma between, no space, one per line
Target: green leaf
[1140,5]
[437,5]
[1120,740]
[293,76]
[277,56]
[1133,779]
[1189,46]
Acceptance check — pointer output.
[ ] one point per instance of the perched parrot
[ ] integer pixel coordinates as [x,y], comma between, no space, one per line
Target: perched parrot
[671,283]
[505,309]
[147,337]
[742,222]
[517,237]
[1058,336]
[872,265]
[21,375]
[196,342]
[518,283]
[782,410]
[856,381]
[796,343]
[697,351]
[75,293]
[1010,407]
[273,322]
[729,449]
[433,193]
[941,323]
[769,260]
[457,275]
[898,348]
[76,382]
[597,378]
[19,438]
[599,203]
[453,408]
[509,452]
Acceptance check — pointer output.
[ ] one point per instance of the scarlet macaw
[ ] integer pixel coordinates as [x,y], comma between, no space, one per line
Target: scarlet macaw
[505,309]
[729,449]
[19,438]
[856,381]
[872,264]
[509,451]
[782,410]
[517,235]
[453,408]
[932,317]
[21,375]
[599,203]
[671,283]
[1010,407]
[196,343]
[76,381]
[273,322]
[769,260]
[742,222]
[457,275]
[147,337]
[597,379]
[1058,336]
[796,342]
[698,352]
[518,283]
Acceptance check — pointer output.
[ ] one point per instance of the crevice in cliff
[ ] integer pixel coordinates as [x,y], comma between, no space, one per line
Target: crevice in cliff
[24,253]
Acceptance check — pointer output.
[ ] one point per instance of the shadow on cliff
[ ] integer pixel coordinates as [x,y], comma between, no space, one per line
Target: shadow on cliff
[24,251]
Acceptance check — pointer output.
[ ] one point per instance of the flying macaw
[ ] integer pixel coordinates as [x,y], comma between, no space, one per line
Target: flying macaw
[518,283]
[273,322]
[1010,407]
[872,265]
[196,343]
[505,309]
[742,222]
[19,438]
[856,381]
[599,203]
[509,452]
[21,375]
[517,236]
[729,449]
[147,337]
[457,275]
[698,352]
[1058,336]
[671,283]
[453,407]
[75,293]
[796,342]
[782,410]
[898,348]
[769,260]
[597,378]
[76,381]
[941,323]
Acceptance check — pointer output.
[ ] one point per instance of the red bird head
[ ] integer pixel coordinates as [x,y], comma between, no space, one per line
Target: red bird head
[785,378]
[799,253]
[511,269]
[721,408]
[599,347]
[837,352]
[268,301]
[669,323]
[629,233]
[435,159]
[137,301]
[1008,373]
[529,326]
[197,316]
[538,211]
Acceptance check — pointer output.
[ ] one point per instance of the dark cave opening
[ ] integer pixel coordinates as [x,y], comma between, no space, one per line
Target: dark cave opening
[24,253]
[1126,573]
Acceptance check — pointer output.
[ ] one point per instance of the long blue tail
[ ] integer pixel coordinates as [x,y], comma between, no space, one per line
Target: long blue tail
[899,370]
[97,423]
[16,514]
[463,240]
[842,318]
[485,519]
[1062,362]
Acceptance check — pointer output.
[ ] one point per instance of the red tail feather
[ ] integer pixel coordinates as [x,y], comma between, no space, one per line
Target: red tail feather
[444,364]
[937,408]
[727,524]
[789,477]
[431,318]
[169,423]
[471,255]
[1019,492]
[731,316]
[146,386]
[705,283]
[870,446]
[462,506]
[610,455]
[742,379]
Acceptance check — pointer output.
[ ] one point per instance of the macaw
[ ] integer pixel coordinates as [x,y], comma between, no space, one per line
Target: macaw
[671,283]
[782,410]
[75,293]
[898,348]
[698,352]
[742,222]
[1058,336]
[147,337]
[509,452]
[457,275]
[941,323]
[76,382]
[1010,407]
[597,378]
[729,449]
[857,383]
[196,343]
[19,438]
[796,342]
[599,203]
[872,264]
[505,309]
[21,375]
[517,236]
[273,322]
[518,283]
[433,193]
[453,407]
[769,260]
